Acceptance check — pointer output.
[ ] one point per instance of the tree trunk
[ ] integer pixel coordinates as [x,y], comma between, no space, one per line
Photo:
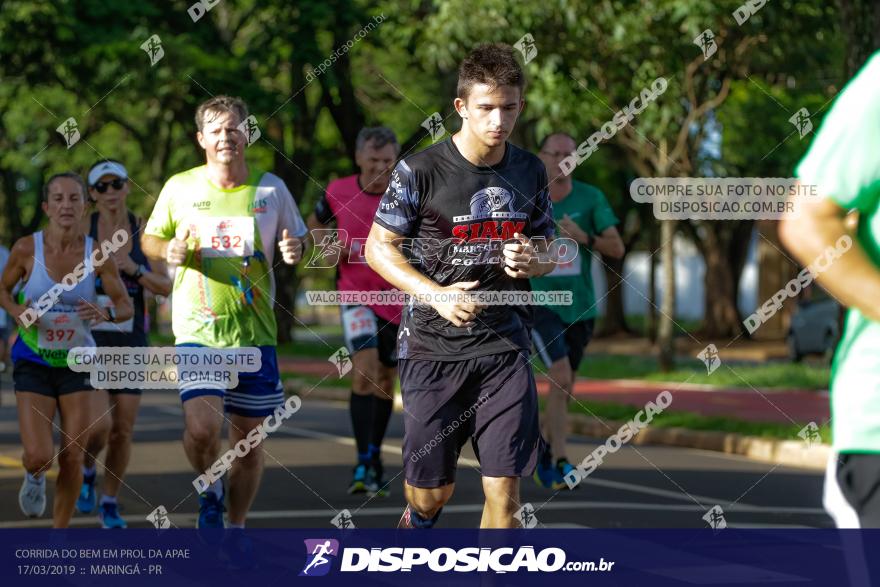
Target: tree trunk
[720,317]
[860,22]
[651,315]
[614,321]
[665,333]
[775,269]
[723,246]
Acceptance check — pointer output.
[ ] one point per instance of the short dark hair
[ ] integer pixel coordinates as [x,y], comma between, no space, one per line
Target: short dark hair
[556,133]
[220,105]
[70,175]
[493,64]
[378,135]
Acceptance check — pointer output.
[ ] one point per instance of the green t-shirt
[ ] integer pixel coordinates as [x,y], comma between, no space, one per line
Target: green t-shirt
[587,207]
[224,292]
[844,163]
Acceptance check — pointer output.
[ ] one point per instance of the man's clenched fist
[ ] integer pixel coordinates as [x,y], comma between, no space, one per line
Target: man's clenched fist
[175,253]
[291,248]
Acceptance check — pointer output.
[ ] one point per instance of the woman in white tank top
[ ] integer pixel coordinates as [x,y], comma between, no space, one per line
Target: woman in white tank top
[54,312]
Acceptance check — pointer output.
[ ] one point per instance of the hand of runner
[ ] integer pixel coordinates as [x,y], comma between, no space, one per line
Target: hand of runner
[453,303]
[291,248]
[175,253]
[569,228]
[93,312]
[520,258]
[125,263]
[19,313]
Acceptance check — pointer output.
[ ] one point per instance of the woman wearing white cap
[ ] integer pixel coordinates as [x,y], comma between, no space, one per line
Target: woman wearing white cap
[116,409]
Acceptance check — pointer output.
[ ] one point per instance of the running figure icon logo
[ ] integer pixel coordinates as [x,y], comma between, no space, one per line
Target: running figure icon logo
[706,42]
[715,518]
[153,48]
[526,46]
[250,130]
[801,121]
[526,516]
[318,552]
[343,520]
[342,360]
[810,434]
[710,358]
[70,131]
[434,125]
[159,518]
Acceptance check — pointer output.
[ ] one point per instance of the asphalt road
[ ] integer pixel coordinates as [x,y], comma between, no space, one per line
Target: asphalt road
[309,462]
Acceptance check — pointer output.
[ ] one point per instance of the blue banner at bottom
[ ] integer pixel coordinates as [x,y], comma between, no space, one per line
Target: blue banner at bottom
[269,557]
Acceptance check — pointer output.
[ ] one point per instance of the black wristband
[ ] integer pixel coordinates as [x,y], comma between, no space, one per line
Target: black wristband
[591,240]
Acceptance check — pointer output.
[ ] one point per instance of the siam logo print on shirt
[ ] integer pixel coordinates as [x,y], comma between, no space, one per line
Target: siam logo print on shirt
[491,217]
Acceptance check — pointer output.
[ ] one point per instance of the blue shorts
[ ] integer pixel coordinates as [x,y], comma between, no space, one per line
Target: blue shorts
[256,395]
[555,340]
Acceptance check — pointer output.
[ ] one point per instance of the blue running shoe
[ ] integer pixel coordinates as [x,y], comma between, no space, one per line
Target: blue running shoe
[210,511]
[376,484]
[87,498]
[359,480]
[563,468]
[545,476]
[108,513]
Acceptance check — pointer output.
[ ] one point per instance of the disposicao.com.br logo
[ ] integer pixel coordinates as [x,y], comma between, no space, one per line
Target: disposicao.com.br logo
[441,560]
[318,553]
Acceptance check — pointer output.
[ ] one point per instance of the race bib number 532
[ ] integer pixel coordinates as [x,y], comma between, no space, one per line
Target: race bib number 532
[227,237]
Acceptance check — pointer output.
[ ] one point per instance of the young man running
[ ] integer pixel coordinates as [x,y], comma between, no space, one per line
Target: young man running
[371,329]
[219,224]
[562,332]
[464,366]
[843,167]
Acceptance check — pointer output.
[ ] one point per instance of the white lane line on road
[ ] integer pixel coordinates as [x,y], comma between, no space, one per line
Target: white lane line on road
[398,451]
[347,441]
[184,520]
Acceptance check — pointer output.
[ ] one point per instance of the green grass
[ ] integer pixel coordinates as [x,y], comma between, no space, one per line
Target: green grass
[317,381]
[762,376]
[638,323]
[691,421]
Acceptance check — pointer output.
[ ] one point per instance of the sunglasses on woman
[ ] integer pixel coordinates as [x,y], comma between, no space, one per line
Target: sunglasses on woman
[101,186]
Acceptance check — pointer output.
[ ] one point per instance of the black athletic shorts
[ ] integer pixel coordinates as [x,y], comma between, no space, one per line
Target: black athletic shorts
[555,339]
[51,381]
[491,400]
[121,339]
[852,490]
[363,329]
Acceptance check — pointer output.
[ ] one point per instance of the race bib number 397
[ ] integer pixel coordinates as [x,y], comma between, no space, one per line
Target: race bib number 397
[227,237]
[58,330]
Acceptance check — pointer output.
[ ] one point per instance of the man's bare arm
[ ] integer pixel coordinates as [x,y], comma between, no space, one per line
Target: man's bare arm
[609,243]
[852,278]
[154,247]
[385,258]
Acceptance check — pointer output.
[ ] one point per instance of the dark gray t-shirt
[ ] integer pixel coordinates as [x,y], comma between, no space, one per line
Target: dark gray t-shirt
[462,213]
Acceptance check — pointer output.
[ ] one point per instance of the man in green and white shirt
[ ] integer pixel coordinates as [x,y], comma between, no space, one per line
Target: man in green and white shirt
[843,164]
[219,225]
[561,333]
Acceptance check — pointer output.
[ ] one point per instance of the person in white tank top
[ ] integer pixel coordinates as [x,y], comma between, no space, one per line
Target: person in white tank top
[47,330]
